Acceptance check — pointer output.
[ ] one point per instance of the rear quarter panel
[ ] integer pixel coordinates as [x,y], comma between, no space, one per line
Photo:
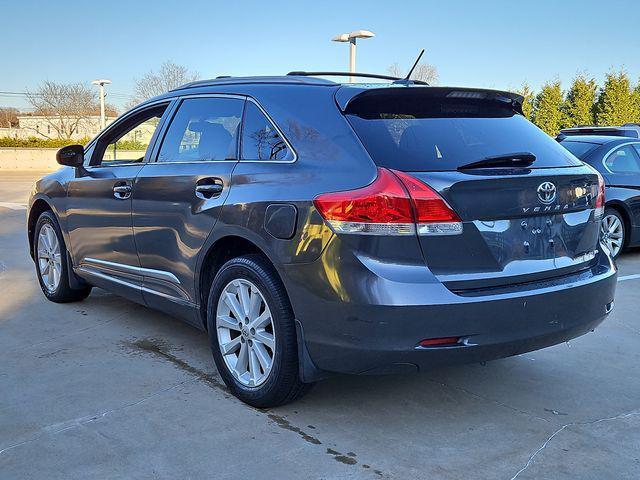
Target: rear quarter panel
[329,158]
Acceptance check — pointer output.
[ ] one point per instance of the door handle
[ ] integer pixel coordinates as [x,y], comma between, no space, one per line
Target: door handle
[206,188]
[121,191]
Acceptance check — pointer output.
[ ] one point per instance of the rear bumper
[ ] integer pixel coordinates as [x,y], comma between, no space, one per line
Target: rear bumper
[347,335]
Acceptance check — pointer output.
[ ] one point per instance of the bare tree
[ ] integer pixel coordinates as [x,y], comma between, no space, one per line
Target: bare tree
[168,77]
[423,72]
[8,117]
[64,106]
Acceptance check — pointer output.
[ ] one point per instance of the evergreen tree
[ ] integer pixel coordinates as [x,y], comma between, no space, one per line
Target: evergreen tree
[581,99]
[636,100]
[527,104]
[616,104]
[548,108]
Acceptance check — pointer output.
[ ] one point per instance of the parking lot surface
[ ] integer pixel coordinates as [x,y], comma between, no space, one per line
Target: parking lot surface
[106,388]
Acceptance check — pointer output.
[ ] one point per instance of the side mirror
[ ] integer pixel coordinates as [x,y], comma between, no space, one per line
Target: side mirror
[71,156]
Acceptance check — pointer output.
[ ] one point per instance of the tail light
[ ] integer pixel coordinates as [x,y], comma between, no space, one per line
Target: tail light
[394,204]
[600,200]
[433,215]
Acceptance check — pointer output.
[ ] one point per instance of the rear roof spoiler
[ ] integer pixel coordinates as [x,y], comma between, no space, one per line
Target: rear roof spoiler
[631,131]
[347,94]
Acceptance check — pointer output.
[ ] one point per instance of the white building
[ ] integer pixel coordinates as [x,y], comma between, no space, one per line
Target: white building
[43,127]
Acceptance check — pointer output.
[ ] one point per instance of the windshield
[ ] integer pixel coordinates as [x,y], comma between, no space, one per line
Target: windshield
[579,149]
[411,143]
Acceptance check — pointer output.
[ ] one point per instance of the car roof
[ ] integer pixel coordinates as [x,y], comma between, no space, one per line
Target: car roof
[275,79]
[347,90]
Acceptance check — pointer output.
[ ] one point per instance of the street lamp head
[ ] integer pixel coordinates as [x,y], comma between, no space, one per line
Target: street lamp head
[343,37]
[101,82]
[361,34]
[347,37]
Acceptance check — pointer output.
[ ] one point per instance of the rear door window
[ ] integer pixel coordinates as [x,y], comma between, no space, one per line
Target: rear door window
[418,133]
[260,138]
[623,160]
[203,129]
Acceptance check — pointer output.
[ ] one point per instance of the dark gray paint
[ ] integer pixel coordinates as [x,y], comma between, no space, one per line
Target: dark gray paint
[363,303]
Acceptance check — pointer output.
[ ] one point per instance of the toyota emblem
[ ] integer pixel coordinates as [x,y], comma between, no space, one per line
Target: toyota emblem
[547,192]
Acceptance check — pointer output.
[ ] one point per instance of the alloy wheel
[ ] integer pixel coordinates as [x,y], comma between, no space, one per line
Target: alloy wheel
[49,258]
[246,333]
[612,233]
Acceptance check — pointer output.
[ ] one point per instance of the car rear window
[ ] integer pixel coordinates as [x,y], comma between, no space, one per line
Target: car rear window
[423,133]
[579,149]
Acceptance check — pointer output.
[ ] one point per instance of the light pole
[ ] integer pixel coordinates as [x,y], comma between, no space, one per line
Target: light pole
[102,83]
[351,38]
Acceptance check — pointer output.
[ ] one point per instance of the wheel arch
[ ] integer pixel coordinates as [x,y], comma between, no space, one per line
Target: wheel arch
[231,246]
[223,249]
[38,207]
[623,210]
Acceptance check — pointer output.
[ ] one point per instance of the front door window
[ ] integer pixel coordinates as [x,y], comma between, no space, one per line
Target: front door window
[128,143]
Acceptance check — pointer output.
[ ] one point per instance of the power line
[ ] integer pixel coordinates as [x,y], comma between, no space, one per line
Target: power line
[5,93]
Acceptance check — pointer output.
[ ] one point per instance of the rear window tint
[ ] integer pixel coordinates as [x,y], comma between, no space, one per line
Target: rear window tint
[434,135]
[579,149]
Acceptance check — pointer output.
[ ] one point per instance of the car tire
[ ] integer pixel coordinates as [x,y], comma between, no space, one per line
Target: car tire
[249,287]
[51,261]
[613,232]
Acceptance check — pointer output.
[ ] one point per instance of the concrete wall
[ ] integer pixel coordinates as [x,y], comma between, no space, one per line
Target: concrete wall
[40,159]
[43,159]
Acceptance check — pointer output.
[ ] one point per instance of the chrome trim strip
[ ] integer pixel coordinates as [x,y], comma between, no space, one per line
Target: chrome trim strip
[181,301]
[264,112]
[144,272]
[104,276]
[192,162]
[107,165]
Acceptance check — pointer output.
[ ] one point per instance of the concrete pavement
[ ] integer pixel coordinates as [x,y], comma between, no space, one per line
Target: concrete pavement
[106,388]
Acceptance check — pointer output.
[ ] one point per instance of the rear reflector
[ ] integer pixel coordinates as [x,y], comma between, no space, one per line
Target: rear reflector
[394,204]
[439,342]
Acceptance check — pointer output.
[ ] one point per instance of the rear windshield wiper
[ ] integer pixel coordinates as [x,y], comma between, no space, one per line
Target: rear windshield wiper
[519,159]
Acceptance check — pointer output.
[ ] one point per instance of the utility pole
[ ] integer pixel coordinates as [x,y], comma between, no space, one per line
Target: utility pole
[352,56]
[351,38]
[101,84]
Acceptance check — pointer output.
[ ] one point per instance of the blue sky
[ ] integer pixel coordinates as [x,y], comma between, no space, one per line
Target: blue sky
[487,43]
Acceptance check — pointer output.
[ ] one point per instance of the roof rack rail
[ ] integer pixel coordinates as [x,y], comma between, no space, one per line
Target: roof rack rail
[355,74]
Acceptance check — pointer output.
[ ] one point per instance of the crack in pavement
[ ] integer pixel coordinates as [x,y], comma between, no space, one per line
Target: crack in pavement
[631,329]
[564,427]
[490,400]
[56,428]
[160,348]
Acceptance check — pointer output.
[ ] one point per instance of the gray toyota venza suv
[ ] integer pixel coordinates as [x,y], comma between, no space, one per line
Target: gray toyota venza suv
[313,227]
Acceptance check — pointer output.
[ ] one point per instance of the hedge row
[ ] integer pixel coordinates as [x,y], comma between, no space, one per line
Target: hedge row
[33,142]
